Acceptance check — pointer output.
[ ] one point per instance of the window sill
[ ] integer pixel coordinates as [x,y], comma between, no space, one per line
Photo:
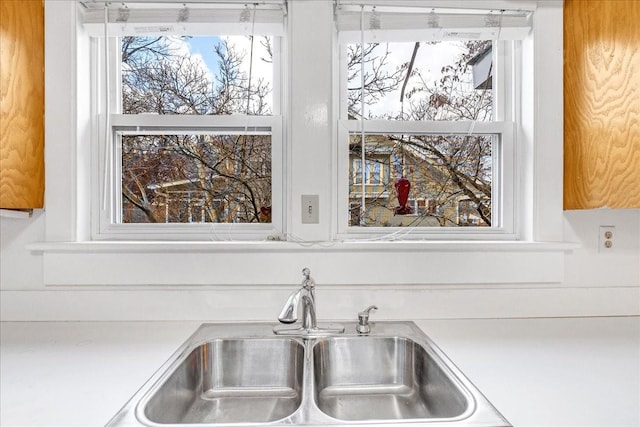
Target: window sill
[127,246]
[127,263]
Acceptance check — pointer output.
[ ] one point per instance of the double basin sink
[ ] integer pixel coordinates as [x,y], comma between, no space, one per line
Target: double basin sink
[243,374]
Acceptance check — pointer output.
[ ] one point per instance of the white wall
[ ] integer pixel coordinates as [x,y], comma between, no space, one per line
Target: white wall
[593,284]
[589,266]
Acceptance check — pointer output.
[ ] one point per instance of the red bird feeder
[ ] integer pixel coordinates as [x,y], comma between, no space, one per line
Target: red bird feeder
[402,191]
[265,214]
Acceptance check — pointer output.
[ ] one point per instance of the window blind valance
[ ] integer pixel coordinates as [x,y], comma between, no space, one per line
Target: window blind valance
[196,17]
[413,21]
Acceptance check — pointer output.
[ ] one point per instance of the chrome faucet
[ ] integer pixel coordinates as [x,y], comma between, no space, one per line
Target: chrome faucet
[304,298]
[307,295]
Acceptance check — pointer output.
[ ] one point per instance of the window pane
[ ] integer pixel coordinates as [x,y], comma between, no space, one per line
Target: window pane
[421,180]
[196,178]
[197,75]
[441,80]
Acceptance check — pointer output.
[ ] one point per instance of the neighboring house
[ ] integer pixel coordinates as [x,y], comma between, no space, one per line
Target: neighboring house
[196,179]
[176,202]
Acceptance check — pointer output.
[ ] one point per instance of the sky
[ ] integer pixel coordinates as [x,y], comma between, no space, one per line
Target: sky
[429,62]
[203,47]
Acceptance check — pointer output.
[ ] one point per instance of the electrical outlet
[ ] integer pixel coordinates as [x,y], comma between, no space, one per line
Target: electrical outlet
[310,209]
[606,238]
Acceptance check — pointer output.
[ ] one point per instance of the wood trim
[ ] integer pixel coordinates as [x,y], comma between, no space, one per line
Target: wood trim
[601,104]
[22,104]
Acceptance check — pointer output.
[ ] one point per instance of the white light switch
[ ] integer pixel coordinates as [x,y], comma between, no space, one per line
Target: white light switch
[310,211]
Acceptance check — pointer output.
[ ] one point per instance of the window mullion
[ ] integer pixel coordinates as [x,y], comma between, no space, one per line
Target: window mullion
[115,211]
[503,80]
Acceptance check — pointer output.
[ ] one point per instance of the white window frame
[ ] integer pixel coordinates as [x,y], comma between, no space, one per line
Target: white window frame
[506,83]
[105,217]
[70,258]
[106,196]
[503,181]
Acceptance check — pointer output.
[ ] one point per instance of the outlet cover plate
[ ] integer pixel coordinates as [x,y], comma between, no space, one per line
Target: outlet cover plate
[606,239]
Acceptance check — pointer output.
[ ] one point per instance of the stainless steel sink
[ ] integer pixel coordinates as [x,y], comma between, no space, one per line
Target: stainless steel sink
[243,375]
[389,378]
[231,381]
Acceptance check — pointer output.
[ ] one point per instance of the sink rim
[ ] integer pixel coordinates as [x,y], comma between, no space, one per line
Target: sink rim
[480,412]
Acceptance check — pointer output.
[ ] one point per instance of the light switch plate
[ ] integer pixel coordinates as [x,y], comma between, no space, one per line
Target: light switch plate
[310,209]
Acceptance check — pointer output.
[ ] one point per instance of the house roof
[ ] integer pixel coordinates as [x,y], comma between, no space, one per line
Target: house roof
[482,69]
[480,55]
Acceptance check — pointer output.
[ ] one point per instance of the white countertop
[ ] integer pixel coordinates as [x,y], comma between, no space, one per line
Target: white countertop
[537,372]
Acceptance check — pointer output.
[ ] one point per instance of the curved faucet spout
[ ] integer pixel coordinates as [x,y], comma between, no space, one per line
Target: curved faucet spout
[289,313]
[304,296]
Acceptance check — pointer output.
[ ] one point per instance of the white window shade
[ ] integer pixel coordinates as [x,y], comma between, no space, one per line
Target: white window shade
[406,24]
[139,17]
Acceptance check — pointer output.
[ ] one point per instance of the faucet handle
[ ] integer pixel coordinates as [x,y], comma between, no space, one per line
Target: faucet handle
[308,280]
[364,314]
[363,320]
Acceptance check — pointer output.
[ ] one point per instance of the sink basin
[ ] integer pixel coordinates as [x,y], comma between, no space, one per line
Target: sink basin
[389,378]
[242,375]
[231,381]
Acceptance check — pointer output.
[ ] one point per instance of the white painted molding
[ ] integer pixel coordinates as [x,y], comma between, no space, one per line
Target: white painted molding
[250,304]
[266,263]
[16,213]
[291,247]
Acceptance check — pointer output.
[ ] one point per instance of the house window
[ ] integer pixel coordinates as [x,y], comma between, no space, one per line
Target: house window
[433,91]
[187,102]
[376,170]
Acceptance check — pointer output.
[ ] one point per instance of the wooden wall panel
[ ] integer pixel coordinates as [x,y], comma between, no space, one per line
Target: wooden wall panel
[22,104]
[601,104]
